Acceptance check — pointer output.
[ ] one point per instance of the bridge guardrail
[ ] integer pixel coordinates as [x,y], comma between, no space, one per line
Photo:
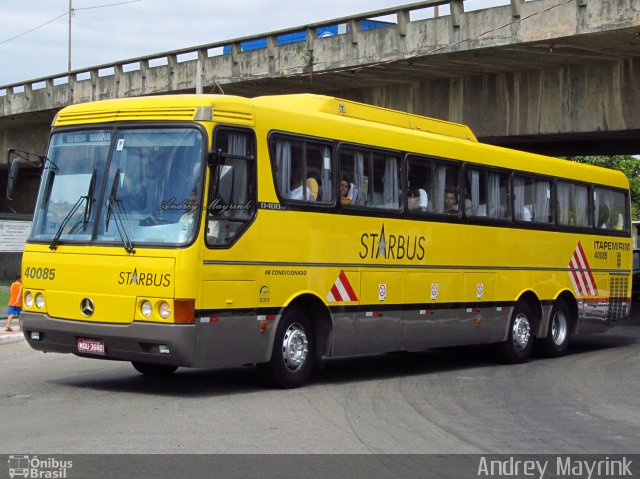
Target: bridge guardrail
[202,52]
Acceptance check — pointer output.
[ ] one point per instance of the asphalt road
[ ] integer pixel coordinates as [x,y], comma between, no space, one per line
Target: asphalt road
[436,402]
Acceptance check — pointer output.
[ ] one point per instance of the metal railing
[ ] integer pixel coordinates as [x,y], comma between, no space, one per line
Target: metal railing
[202,52]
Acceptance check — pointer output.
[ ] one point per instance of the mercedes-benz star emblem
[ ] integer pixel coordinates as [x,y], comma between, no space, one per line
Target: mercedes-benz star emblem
[87,307]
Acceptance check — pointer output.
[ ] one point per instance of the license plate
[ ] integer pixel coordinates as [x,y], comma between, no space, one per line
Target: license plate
[91,346]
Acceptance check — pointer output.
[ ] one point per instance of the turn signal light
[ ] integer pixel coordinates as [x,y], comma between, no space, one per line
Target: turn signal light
[184,311]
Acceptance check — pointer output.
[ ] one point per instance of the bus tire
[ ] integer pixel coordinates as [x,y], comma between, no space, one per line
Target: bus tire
[557,340]
[292,356]
[519,343]
[149,369]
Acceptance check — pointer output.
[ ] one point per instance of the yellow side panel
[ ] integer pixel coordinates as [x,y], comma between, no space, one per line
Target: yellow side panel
[478,287]
[435,287]
[381,287]
[229,294]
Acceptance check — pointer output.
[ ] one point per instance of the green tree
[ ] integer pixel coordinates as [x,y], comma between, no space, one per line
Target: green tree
[628,165]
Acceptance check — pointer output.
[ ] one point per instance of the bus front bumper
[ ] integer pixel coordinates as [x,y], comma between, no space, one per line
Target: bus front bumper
[168,344]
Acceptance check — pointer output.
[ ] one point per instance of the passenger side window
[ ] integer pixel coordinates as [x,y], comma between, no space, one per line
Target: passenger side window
[610,209]
[487,194]
[572,204]
[370,179]
[303,170]
[231,205]
[532,199]
[432,186]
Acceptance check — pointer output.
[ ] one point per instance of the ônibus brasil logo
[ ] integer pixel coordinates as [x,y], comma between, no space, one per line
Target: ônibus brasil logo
[40,468]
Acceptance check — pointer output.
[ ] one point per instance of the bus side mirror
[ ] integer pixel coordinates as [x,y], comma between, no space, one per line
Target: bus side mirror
[13,174]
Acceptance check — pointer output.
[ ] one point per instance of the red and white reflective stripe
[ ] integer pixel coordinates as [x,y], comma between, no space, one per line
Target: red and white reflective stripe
[267,317]
[581,278]
[341,290]
[209,319]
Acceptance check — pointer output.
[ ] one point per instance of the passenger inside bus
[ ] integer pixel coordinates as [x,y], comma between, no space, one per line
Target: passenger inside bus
[417,200]
[312,184]
[300,191]
[345,184]
[450,201]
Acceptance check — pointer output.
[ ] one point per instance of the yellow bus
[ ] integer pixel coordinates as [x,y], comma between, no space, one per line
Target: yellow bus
[216,231]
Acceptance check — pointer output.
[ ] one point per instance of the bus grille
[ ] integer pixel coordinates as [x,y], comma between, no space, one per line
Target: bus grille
[618,298]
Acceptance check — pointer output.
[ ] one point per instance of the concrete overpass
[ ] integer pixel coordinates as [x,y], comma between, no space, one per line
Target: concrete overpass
[553,76]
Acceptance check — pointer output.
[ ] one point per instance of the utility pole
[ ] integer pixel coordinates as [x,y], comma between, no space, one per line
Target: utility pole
[69,48]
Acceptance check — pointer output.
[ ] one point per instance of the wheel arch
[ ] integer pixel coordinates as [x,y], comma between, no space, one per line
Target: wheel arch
[320,317]
[532,299]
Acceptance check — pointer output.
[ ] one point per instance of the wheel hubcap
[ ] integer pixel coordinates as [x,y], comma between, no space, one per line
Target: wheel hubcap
[521,332]
[295,347]
[559,328]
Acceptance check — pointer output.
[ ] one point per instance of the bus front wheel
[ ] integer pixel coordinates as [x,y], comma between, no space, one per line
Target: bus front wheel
[293,351]
[519,343]
[149,369]
[558,337]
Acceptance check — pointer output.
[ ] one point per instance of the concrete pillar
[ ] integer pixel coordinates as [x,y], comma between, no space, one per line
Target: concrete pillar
[403,18]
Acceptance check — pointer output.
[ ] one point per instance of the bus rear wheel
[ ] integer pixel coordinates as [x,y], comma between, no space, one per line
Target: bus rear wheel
[149,369]
[519,343]
[293,351]
[558,337]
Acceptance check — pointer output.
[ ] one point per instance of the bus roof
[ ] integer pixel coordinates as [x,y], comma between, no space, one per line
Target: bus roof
[361,111]
[184,107]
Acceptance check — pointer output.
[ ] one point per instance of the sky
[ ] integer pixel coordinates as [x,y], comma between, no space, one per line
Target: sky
[104,31]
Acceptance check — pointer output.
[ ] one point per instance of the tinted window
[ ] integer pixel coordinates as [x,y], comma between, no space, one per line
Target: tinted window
[532,199]
[231,205]
[486,193]
[432,186]
[303,170]
[610,209]
[572,204]
[373,178]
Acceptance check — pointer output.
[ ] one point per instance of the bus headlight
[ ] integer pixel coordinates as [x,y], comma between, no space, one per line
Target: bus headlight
[28,300]
[40,301]
[164,310]
[146,309]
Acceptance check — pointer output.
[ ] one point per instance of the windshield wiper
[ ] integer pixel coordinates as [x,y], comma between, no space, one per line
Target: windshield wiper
[56,238]
[115,207]
[88,207]
[85,217]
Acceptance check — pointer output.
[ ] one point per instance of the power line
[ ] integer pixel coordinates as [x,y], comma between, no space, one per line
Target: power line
[34,29]
[63,15]
[104,6]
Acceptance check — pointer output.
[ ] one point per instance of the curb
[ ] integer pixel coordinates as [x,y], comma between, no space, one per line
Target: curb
[7,337]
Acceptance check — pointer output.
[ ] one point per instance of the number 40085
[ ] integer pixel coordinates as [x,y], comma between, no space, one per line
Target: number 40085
[40,273]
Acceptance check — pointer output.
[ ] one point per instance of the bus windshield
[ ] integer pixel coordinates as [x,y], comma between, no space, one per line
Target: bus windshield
[128,186]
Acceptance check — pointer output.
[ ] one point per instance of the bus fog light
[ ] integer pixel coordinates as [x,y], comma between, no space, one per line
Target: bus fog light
[164,310]
[164,349]
[28,300]
[35,336]
[40,301]
[146,308]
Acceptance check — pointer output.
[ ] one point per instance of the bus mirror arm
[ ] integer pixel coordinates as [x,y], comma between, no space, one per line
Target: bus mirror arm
[212,157]
[39,160]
